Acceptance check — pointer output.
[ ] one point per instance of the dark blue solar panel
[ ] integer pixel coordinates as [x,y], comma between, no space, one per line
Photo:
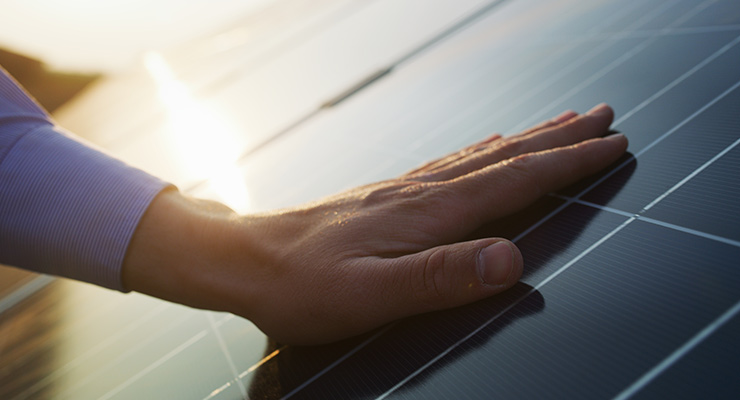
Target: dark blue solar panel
[601,304]
[708,370]
[669,161]
[708,202]
[606,320]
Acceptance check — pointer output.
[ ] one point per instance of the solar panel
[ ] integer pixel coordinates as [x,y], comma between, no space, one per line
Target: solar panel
[631,286]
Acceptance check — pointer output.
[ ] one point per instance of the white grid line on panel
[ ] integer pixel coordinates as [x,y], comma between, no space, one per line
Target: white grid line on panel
[669,361]
[678,80]
[642,34]
[69,390]
[691,175]
[590,55]
[611,66]
[304,32]
[654,221]
[558,75]
[223,387]
[100,346]
[690,231]
[675,187]
[641,105]
[534,289]
[634,110]
[226,353]
[657,95]
[656,141]
[151,367]
[340,360]
[699,8]
[660,138]
[676,355]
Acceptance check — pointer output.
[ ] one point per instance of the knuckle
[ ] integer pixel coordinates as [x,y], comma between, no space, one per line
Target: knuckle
[415,203]
[510,148]
[521,169]
[413,190]
[577,124]
[417,197]
[432,285]
[382,193]
[521,164]
[430,199]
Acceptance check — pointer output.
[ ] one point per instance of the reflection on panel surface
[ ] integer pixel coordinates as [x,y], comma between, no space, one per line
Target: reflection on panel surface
[637,277]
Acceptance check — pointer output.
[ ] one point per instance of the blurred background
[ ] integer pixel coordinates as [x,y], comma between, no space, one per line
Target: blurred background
[86,36]
[57,49]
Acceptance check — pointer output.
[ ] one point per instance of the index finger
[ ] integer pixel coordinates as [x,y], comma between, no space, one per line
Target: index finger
[511,185]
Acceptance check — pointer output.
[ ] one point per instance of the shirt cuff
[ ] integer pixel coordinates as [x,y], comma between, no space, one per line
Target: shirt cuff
[69,209]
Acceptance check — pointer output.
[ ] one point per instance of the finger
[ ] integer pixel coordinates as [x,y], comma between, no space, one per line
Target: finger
[575,129]
[485,144]
[557,120]
[451,275]
[509,186]
[454,156]
[592,124]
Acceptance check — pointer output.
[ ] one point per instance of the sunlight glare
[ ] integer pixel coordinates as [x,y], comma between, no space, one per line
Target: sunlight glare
[204,144]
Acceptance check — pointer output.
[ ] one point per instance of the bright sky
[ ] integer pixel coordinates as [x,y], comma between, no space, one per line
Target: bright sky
[94,35]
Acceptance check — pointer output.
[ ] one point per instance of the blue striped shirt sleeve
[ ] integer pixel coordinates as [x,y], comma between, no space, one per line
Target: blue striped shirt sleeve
[66,208]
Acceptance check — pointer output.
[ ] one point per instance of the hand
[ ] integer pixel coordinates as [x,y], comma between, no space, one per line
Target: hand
[354,261]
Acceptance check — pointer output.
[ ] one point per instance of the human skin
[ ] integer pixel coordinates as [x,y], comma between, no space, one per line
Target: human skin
[357,260]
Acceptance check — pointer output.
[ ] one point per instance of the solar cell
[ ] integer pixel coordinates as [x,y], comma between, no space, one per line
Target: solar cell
[602,323]
[707,202]
[708,367]
[688,147]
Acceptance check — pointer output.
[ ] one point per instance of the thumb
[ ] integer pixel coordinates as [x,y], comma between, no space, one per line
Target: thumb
[453,275]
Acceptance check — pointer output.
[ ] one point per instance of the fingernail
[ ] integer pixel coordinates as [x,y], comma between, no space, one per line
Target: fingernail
[615,136]
[495,263]
[566,115]
[600,109]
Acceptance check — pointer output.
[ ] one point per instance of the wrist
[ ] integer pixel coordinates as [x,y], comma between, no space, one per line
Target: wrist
[180,248]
